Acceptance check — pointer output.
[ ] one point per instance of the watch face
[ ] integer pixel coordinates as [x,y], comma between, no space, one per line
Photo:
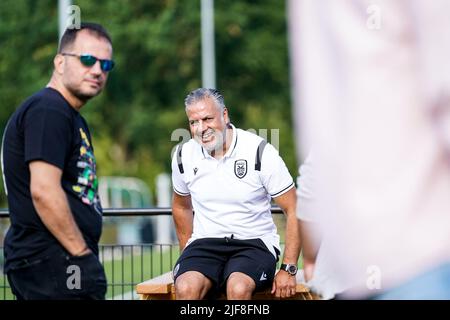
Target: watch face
[292,269]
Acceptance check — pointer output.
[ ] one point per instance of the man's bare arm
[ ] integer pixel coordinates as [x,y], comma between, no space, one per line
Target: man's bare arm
[284,284]
[51,204]
[183,217]
[287,202]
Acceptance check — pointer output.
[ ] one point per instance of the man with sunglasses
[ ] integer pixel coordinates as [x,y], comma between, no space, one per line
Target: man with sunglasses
[49,168]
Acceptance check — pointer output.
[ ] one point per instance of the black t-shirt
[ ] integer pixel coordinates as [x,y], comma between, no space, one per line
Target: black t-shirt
[45,127]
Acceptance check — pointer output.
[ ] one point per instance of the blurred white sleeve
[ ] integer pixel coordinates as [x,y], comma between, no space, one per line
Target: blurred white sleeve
[305,194]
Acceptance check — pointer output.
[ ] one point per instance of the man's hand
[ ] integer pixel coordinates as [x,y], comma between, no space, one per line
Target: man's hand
[84,252]
[284,285]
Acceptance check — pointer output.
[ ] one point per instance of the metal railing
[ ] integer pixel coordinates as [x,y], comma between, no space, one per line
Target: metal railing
[125,265]
[129,212]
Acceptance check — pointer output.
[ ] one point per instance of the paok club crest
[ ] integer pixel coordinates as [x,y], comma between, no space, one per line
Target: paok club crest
[240,168]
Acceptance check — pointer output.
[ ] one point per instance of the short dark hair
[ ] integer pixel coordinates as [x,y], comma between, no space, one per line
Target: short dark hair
[70,35]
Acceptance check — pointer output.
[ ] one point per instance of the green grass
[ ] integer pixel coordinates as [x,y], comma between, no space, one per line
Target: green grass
[5,293]
[124,273]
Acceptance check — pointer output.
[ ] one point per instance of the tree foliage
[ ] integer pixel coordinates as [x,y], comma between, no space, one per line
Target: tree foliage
[157,49]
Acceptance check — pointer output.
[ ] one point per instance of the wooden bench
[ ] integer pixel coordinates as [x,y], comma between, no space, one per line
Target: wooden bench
[162,288]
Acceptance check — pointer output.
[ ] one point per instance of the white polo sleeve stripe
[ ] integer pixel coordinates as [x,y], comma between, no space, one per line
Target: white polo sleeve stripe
[180,193]
[178,184]
[283,191]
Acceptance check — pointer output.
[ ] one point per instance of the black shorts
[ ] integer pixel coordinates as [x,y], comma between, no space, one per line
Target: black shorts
[217,258]
[59,276]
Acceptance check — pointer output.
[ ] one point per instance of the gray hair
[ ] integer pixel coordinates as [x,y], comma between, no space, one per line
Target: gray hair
[202,93]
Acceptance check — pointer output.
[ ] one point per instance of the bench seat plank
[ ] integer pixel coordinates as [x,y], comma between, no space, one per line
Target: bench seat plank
[162,288]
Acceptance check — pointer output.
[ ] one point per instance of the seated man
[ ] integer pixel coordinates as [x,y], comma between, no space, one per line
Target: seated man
[228,177]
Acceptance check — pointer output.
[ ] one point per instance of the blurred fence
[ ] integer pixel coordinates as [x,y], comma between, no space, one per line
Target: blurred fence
[125,265]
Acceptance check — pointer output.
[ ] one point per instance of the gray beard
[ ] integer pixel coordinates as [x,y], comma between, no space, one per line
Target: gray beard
[219,146]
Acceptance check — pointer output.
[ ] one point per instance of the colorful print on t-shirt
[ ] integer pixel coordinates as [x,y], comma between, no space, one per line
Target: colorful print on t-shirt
[87,187]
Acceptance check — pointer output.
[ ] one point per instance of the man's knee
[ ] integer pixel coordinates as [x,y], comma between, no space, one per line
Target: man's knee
[186,290]
[191,286]
[240,286]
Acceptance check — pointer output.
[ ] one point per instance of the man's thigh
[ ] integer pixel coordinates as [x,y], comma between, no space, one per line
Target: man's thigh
[59,276]
[253,259]
[33,280]
[204,256]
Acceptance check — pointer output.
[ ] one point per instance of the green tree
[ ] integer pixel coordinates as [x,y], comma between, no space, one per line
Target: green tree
[157,49]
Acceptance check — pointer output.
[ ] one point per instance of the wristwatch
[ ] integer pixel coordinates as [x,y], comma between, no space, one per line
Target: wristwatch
[289,268]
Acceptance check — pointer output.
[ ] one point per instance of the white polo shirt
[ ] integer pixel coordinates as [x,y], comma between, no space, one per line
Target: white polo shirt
[229,196]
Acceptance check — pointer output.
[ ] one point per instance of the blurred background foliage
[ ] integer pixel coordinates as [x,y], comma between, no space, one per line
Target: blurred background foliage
[157,50]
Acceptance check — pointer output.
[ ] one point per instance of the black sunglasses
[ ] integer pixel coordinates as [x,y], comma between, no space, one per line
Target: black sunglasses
[89,60]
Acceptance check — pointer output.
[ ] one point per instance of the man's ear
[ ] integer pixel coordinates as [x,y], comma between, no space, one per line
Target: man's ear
[58,63]
[225,115]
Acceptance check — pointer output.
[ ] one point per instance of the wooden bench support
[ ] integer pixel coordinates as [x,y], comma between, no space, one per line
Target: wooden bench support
[162,288]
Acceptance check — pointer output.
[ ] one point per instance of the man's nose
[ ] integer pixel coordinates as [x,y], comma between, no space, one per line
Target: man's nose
[96,68]
[201,126]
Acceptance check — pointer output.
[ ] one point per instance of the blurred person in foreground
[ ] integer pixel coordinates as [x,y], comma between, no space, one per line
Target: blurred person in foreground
[51,248]
[228,177]
[318,267]
[310,239]
[372,94]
